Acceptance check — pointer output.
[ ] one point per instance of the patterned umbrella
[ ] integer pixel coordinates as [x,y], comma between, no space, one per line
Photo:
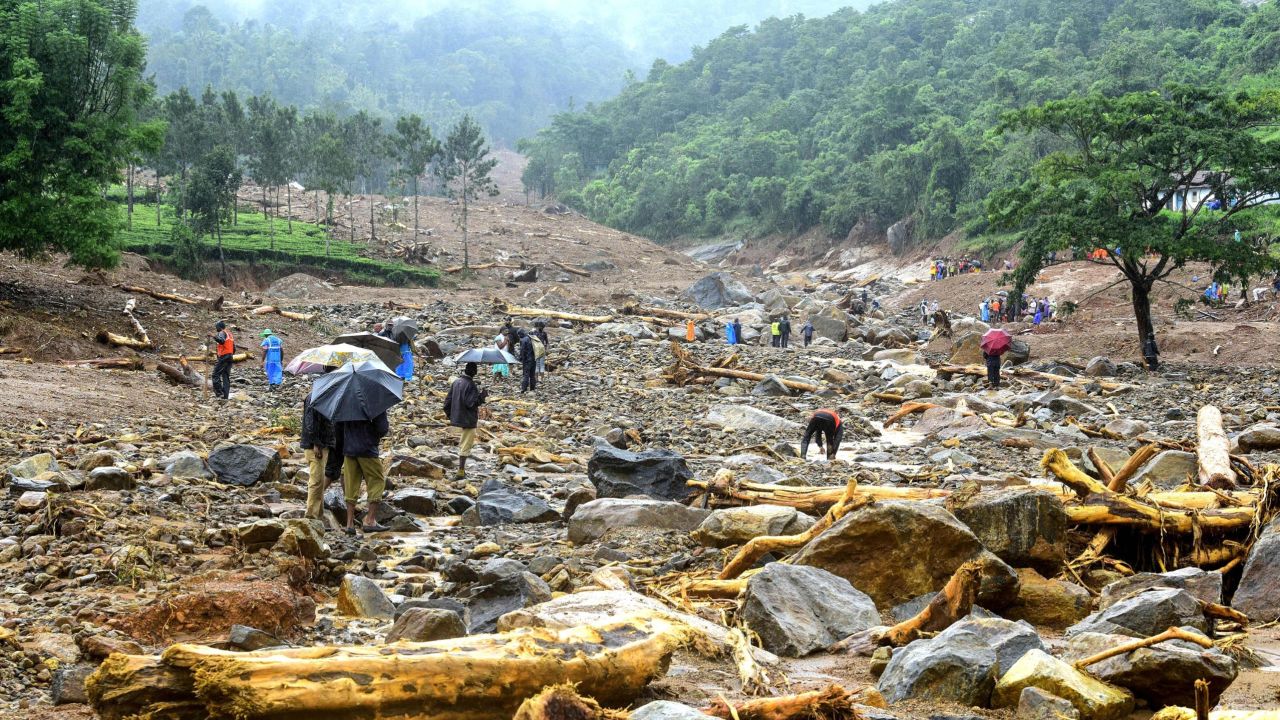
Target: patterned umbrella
[316,359]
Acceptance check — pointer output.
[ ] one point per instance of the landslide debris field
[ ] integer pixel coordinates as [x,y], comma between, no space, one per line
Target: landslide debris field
[1091,540]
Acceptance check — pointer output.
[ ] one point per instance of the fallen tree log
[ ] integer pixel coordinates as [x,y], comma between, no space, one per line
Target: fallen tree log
[570,269]
[183,374]
[656,312]
[1172,633]
[270,309]
[686,370]
[162,295]
[833,703]
[482,677]
[237,358]
[954,601]
[1213,450]
[1116,482]
[482,266]
[138,329]
[811,500]
[518,311]
[106,363]
[562,702]
[10,350]
[980,371]
[107,337]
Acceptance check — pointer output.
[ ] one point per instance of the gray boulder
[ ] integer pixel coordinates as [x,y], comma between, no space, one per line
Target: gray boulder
[1163,674]
[1025,527]
[490,602]
[735,526]
[667,710]
[1100,367]
[797,610]
[1259,437]
[419,501]
[245,465]
[592,520]
[745,417]
[716,291]
[1203,584]
[68,684]
[1036,704]
[186,465]
[110,478]
[1258,594]
[358,596]
[771,386]
[659,474]
[957,669]
[1167,470]
[499,504]
[1145,614]
[426,624]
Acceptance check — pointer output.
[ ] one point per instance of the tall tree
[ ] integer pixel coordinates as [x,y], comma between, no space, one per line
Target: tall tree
[464,169]
[1122,184]
[268,150]
[212,193]
[416,148]
[70,88]
[369,151]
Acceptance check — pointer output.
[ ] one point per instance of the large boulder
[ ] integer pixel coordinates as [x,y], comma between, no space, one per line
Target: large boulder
[1203,584]
[1145,614]
[592,520]
[735,526]
[499,504]
[717,290]
[797,610]
[771,386]
[745,417]
[1168,470]
[110,478]
[966,349]
[401,465]
[667,710]
[830,322]
[358,596]
[245,465]
[506,594]
[426,624]
[660,474]
[1162,674]
[1051,603]
[1025,527]
[960,664]
[1036,704]
[1092,698]
[1259,437]
[1258,594]
[1100,366]
[879,550]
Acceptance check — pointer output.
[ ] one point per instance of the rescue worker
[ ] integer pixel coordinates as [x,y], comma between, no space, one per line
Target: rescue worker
[993,369]
[775,334]
[225,344]
[737,331]
[823,422]
[785,328]
[528,363]
[807,332]
[462,405]
[272,358]
[317,441]
[540,332]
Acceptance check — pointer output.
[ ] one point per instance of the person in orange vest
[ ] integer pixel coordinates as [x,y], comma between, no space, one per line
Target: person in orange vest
[226,350]
[823,422]
[688,331]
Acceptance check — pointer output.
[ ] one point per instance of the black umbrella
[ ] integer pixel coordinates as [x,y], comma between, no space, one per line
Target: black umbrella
[356,391]
[387,350]
[404,329]
[486,356]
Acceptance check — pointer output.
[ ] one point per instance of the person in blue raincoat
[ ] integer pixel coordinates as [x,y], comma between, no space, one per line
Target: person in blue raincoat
[405,368]
[730,334]
[272,358]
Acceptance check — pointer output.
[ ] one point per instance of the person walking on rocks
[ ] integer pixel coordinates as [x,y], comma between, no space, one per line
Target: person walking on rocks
[785,328]
[462,405]
[528,363]
[540,332]
[1151,353]
[317,441]
[361,462]
[272,358]
[823,422]
[225,349]
[502,342]
[737,331]
[993,369]
[807,332]
[775,333]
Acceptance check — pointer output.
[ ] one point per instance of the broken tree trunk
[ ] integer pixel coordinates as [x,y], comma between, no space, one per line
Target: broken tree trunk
[182,373]
[833,703]
[657,312]
[517,311]
[611,663]
[161,295]
[570,269]
[1213,450]
[10,350]
[686,370]
[1116,482]
[138,329]
[482,266]
[106,363]
[1101,506]
[1172,633]
[562,702]
[811,500]
[110,338]
[954,601]
[269,309]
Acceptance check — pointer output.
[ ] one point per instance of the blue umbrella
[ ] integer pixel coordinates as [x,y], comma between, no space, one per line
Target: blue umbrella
[356,391]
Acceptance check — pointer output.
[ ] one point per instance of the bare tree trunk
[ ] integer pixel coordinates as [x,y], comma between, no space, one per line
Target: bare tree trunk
[222,258]
[288,194]
[351,215]
[129,197]
[1141,292]
[415,208]
[373,229]
[271,221]
[157,198]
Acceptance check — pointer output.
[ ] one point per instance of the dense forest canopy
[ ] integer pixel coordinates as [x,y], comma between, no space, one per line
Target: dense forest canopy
[877,116]
[510,64]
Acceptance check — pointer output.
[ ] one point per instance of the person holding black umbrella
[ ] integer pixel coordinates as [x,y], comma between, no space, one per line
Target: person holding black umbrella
[462,405]
[317,441]
[361,462]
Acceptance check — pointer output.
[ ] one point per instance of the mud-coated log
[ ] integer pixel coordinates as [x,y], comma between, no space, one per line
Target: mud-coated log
[161,295]
[952,603]
[182,373]
[272,309]
[657,312]
[1172,633]
[482,677]
[562,702]
[570,269]
[1213,450]
[811,500]
[833,703]
[109,338]
[517,311]
[106,363]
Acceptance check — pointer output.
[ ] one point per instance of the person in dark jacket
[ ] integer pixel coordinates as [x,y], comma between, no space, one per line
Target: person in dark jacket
[360,461]
[528,363]
[540,332]
[823,422]
[1151,352]
[737,330]
[785,327]
[317,441]
[993,369]
[225,351]
[807,332]
[462,405]
[513,337]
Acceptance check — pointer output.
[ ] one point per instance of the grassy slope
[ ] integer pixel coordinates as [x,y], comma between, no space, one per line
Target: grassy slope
[249,241]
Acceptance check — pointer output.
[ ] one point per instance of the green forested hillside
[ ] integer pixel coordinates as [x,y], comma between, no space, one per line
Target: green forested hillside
[510,63]
[877,116]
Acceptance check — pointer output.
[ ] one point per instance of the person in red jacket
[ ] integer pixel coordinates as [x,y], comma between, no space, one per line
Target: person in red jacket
[823,422]
[226,350]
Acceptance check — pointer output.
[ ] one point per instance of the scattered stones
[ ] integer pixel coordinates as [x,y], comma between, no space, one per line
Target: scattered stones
[660,474]
[245,465]
[593,519]
[797,610]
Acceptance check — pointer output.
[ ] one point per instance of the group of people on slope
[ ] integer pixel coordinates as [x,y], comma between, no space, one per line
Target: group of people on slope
[529,348]
[943,268]
[997,308]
